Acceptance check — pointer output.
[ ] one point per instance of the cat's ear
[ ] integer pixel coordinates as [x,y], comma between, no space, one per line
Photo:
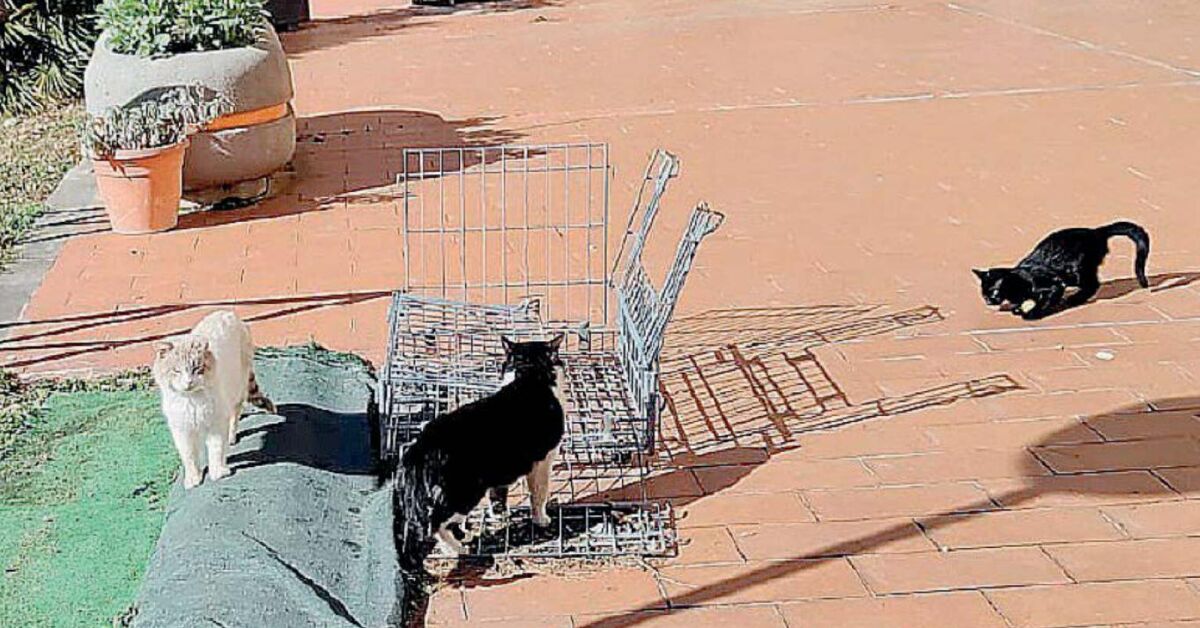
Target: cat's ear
[556,342]
[982,274]
[508,344]
[162,348]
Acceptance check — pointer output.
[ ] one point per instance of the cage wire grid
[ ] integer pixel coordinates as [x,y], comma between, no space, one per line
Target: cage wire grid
[513,240]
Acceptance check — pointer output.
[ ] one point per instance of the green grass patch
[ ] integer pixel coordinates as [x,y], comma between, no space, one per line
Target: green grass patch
[85,468]
[35,151]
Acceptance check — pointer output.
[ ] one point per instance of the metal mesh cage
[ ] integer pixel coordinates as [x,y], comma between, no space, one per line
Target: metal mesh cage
[514,241]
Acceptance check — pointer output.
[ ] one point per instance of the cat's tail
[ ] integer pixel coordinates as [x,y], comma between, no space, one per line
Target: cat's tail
[1141,240]
[417,493]
[255,396]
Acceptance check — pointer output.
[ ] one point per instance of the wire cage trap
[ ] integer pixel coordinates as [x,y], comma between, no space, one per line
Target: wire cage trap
[514,241]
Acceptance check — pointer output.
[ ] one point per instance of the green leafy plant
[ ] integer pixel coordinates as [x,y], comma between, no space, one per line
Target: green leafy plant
[150,28]
[163,120]
[44,48]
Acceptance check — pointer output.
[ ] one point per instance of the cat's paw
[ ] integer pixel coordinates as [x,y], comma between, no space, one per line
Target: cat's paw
[191,481]
[451,545]
[541,520]
[216,473]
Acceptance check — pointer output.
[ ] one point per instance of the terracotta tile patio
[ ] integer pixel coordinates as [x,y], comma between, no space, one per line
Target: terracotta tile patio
[986,471]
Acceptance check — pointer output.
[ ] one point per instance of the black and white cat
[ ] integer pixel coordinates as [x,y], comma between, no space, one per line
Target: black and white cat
[1069,258]
[485,446]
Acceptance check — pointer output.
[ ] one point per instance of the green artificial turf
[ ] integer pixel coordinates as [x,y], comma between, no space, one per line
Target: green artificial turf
[84,473]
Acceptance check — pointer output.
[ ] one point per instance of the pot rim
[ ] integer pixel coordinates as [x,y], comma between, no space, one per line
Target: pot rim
[141,153]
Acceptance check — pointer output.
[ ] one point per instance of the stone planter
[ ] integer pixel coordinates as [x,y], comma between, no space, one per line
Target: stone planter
[258,138]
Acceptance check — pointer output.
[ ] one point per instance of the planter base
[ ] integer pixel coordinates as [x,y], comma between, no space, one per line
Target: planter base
[231,196]
[261,149]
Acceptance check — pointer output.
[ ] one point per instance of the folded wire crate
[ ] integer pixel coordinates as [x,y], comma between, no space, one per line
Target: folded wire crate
[514,241]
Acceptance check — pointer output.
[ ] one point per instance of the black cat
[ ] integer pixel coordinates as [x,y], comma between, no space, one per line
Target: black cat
[484,445]
[1069,258]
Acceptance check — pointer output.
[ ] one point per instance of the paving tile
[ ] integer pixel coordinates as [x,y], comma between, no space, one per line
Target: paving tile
[264,282]
[707,545]
[1097,603]
[1005,435]
[678,483]
[779,475]
[1165,519]
[1147,425]
[1119,456]
[850,504]
[604,592]
[1185,480]
[952,466]
[1060,404]
[734,508]
[1137,354]
[760,582]
[375,216]
[1164,624]
[1159,379]
[960,569]
[1173,333]
[1118,487]
[510,622]
[968,608]
[865,440]
[445,607]
[1020,527]
[828,538]
[1029,361]
[1129,560]
[1126,29]
[748,616]
[1051,338]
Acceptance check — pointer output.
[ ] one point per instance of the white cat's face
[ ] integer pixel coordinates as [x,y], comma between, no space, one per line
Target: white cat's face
[183,365]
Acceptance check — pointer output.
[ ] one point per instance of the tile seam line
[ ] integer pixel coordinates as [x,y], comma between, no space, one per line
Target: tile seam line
[577,117]
[1082,325]
[1090,45]
[1149,579]
[995,609]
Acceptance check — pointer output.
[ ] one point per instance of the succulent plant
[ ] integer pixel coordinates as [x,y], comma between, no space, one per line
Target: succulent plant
[150,28]
[162,119]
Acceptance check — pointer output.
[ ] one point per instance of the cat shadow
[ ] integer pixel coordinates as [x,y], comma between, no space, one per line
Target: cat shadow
[1118,288]
[338,442]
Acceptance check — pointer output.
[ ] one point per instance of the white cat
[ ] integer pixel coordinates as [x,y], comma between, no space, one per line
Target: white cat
[205,377]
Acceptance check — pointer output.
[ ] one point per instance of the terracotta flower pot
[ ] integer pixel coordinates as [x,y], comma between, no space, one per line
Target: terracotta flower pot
[141,189]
